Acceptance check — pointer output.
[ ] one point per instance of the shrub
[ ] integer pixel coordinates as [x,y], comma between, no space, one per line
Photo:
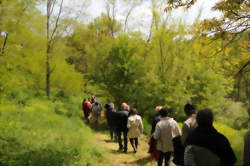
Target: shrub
[36,135]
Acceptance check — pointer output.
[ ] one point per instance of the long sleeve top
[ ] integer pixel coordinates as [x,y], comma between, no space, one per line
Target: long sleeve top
[135,126]
[164,133]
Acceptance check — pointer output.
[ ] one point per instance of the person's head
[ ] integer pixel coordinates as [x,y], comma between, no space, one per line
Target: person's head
[93,99]
[205,117]
[124,106]
[133,111]
[158,108]
[189,109]
[110,106]
[164,112]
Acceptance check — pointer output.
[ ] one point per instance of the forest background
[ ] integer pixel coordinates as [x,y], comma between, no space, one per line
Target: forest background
[53,55]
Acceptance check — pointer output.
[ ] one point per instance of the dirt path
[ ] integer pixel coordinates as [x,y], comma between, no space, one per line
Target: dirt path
[116,158]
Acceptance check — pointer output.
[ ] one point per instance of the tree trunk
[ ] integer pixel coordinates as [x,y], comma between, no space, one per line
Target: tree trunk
[50,37]
[48,71]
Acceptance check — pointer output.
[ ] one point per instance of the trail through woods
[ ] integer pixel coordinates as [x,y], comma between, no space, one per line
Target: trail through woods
[116,158]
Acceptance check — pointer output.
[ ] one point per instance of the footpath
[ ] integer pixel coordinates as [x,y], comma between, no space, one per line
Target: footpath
[115,158]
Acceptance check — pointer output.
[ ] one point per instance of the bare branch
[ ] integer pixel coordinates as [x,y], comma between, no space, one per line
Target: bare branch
[127,16]
[242,68]
[57,20]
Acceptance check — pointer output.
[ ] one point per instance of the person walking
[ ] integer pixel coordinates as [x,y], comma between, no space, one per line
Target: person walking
[111,118]
[166,129]
[86,106]
[121,127]
[190,123]
[156,119]
[135,128]
[205,146]
[96,109]
[188,126]
[154,153]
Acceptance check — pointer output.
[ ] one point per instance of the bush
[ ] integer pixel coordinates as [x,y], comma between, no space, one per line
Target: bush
[36,135]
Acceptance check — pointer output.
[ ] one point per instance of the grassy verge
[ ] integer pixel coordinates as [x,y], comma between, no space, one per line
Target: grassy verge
[39,134]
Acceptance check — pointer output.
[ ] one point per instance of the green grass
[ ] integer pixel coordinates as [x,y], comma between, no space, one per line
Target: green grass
[42,134]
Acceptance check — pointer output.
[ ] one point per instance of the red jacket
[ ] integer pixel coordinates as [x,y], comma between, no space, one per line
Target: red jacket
[86,106]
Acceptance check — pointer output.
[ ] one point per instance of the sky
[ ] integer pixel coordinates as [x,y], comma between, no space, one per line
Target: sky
[97,7]
[141,16]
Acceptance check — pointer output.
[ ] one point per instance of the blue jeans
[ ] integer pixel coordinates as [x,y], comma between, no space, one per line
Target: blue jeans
[165,156]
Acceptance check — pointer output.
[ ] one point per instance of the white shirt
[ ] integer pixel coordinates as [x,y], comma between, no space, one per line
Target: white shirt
[135,126]
[164,133]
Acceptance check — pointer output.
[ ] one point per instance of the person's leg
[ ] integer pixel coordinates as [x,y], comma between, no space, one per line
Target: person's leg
[115,133]
[131,140]
[119,135]
[111,133]
[97,119]
[136,143]
[87,119]
[160,159]
[167,156]
[125,132]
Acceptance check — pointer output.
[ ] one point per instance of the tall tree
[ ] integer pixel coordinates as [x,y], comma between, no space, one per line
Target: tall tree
[52,26]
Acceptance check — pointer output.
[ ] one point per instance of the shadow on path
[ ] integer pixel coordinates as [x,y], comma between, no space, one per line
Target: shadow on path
[143,161]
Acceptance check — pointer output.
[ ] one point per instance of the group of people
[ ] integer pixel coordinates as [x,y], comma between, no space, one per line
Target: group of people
[198,143]
[124,123]
[91,106]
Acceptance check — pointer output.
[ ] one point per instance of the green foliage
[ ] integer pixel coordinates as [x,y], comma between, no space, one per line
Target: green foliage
[234,114]
[36,135]
[120,70]
[169,69]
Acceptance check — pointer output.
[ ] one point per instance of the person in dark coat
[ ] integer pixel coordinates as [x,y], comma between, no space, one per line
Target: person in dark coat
[156,119]
[205,136]
[190,123]
[154,153]
[111,118]
[121,127]
[188,126]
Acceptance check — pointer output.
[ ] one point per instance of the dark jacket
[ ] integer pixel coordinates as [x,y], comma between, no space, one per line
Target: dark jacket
[210,138]
[156,119]
[111,117]
[178,151]
[122,120]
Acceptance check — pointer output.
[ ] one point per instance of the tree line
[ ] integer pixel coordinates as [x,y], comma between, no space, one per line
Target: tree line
[54,53]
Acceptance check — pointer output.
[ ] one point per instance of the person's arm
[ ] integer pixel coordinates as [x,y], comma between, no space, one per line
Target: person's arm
[185,132]
[128,124]
[246,155]
[141,126]
[157,133]
[153,126]
[176,130]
